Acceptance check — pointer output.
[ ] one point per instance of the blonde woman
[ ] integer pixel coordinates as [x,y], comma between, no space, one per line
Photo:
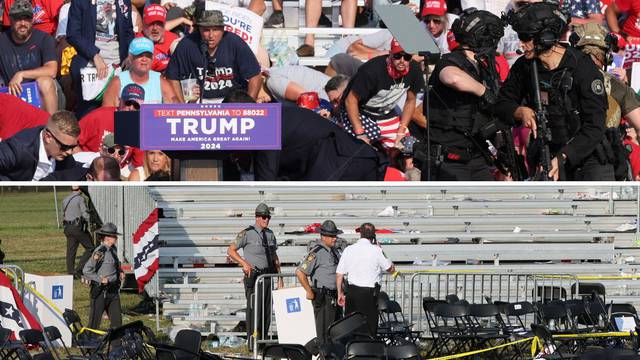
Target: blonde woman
[156,166]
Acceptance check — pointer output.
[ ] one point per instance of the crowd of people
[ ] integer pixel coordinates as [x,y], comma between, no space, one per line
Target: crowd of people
[91,59]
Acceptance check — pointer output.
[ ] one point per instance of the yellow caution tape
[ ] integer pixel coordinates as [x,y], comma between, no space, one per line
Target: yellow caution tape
[591,277]
[55,308]
[536,343]
[469,353]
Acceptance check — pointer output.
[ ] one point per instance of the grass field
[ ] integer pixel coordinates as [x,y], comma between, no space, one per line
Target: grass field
[32,240]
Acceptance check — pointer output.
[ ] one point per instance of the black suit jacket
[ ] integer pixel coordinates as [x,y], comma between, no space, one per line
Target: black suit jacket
[19,158]
[315,149]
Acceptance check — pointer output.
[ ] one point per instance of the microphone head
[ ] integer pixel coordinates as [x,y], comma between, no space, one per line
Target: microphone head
[519,52]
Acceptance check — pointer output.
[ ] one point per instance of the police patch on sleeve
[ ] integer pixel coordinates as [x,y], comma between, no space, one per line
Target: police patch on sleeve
[597,87]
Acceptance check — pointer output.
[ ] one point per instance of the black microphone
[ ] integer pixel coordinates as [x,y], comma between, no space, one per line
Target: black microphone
[519,51]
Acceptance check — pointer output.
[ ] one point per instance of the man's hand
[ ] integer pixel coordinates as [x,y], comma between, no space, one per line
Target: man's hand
[364,138]
[554,173]
[15,84]
[104,280]
[621,74]
[196,93]
[121,277]
[528,118]
[246,268]
[341,299]
[280,283]
[101,66]
[310,294]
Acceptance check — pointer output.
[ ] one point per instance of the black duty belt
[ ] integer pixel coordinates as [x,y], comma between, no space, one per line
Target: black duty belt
[76,222]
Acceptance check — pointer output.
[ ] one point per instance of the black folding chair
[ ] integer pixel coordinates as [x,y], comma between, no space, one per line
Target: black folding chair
[54,335]
[84,340]
[286,351]
[129,341]
[517,317]
[185,347]
[456,332]
[35,338]
[393,327]
[549,346]
[8,348]
[486,325]
[351,327]
[366,349]
[403,352]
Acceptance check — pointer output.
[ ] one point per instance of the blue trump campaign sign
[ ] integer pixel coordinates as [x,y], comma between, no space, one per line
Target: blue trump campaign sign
[211,127]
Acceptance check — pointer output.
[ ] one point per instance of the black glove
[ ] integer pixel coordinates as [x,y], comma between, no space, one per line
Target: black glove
[488,99]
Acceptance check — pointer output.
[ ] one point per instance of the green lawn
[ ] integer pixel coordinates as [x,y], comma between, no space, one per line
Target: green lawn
[32,240]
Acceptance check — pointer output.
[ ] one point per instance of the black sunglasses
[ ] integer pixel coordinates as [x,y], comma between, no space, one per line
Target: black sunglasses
[63,146]
[404,56]
[524,37]
[135,104]
[265,217]
[436,21]
[120,151]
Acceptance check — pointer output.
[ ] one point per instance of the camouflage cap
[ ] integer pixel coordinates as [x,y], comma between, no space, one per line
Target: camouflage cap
[591,34]
[263,210]
[210,18]
[20,9]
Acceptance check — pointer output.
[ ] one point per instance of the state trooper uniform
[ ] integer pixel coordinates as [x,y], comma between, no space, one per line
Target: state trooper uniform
[259,249]
[104,263]
[75,221]
[320,265]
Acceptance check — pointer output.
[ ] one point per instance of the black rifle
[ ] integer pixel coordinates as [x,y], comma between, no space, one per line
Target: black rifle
[544,135]
[506,160]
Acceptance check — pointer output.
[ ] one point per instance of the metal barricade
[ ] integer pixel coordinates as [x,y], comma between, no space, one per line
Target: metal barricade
[289,280]
[16,274]
[478,288]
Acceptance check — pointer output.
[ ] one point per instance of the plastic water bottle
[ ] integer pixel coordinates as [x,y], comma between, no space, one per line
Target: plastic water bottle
[192,310]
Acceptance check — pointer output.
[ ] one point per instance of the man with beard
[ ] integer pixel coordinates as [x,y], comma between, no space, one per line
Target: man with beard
[571,89]
[155,17]
[220,61]
[28,55]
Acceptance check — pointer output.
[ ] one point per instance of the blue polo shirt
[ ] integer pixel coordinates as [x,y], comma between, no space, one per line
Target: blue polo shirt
[229,68]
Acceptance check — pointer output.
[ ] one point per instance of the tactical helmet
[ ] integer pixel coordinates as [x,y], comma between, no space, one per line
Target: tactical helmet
[478,29]
[543,22]
[589,34]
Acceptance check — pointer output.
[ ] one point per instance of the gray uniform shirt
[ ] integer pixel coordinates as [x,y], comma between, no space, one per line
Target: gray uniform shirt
[321,263]
[109,268]
[250,241]
[74,207]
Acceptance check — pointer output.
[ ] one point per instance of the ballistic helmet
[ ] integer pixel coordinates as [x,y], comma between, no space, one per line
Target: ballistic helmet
[478,29]
[542,22]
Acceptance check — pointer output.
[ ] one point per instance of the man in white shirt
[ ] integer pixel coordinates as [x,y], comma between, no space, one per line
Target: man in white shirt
[34,153]
[363,263]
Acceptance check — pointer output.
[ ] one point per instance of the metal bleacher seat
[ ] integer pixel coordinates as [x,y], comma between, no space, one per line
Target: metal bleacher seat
[562,229]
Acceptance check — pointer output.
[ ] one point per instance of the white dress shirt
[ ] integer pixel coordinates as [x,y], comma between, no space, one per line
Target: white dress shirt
[363,263]
[45,165]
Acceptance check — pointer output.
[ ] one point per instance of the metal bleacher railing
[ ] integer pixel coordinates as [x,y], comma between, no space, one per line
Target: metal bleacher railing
[530,230]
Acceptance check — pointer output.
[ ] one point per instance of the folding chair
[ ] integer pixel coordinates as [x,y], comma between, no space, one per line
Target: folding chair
[435,330]
[403,352]
[548,344]
[33,337]
[459,333]
[84,340]
[286,351]
[54,335]
[8,348]
[587,289]
[393,328]
[486,325]
[351,327]
[516,315]
[130,340]
[366,349]
[186,346]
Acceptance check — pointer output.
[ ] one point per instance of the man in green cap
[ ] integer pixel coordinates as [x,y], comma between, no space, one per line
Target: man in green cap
[105,275]
[221,61]
[259,246]
[320,266]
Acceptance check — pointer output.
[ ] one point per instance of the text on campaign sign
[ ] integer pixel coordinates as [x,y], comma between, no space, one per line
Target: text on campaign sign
[210,127]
